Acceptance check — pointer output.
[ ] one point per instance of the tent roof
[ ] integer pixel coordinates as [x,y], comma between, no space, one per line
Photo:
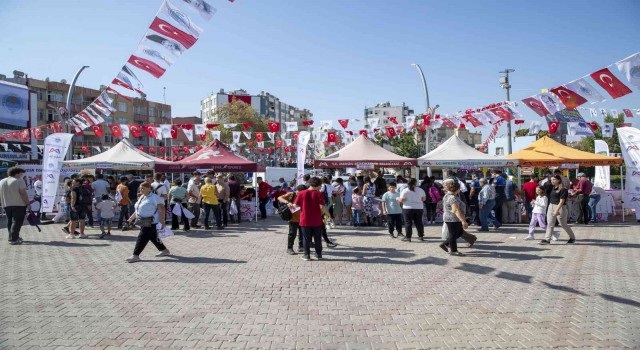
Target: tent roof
[455,153]
[547,152]
[123,156]
[363,151]
[214,156]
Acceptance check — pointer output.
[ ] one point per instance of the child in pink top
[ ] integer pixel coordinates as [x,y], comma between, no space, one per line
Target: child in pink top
[356,206]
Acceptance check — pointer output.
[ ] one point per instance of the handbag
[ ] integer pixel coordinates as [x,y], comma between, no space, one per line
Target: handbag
[285,212]
[145,222]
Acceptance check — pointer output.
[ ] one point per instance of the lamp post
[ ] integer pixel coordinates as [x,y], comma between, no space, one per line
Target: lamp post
[427,109]
[504,83]
[67,127]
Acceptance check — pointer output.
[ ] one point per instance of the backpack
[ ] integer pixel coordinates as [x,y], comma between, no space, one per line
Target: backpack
[84,197]
[435,194]
[284,211]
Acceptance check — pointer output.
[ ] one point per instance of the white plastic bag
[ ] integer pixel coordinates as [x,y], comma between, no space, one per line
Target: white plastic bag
[445,232]
[233,209]
[189,215]
[164,233]
[176,210]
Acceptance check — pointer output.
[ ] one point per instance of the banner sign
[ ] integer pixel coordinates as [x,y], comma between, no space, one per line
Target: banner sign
[630,145]
[301,148]
[55,149]
[365,166]
[603,173]
[14,106]
[566,116]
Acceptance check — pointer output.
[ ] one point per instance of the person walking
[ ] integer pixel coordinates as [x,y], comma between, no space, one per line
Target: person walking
[122,198]
[486,203]
[263,196]
[100,187]
[582,192]
[234,195]
[412,199]
[210,201]
[13,195]
[312,206]
[498,184]
[80,199]
[150,212]
[294,223]
[177,196]
[454,217]
[392,209]
[106,207]
[222,186]
[193,195]
[538,212]
[558,209]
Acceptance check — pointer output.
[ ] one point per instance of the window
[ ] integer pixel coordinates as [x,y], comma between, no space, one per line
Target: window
[40,93]
[40,114]
[109,119]
[122,107]
[152,112]
[51,115]
[122,120]
[385,113]
[54,96]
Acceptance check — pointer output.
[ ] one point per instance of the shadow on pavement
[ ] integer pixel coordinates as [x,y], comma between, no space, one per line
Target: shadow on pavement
[514,277]
[482,246]
[475,268]
[563,288]
[79,244]
[620,300]
[511,256]
[197,260]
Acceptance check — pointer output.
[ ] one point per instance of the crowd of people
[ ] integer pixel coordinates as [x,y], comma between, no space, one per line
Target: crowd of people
[314,205]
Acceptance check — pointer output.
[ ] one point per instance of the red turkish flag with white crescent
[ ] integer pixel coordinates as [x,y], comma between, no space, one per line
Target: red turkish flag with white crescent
[593,125]
[391,132]
[394,120]
[536,106]
[307,122]
[331,136]
[295,136]
[150,130]
[186,149]
[259,136]
[146,65]
[568,98]
[610,83]
[121,83]
[115,130]
[37,133]
[211,126]
[278,143]
[97,130]
[553,127]
[503,114]
[175,150]
[343,123]
[135,130]
[363,132]
[203,137]
[174,132]
[274,126]
[165,28]
[627,112]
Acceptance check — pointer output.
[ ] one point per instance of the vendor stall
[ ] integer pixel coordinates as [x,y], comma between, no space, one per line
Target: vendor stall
[123,156]
[455,153]
[214,156]
[362,153]
[547,152]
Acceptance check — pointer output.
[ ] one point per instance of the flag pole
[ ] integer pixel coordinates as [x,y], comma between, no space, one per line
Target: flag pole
[622,187]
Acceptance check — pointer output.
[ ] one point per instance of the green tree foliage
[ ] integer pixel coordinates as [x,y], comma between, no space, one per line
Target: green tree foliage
[405,145]
[237,112]
[525,132]
[587,144]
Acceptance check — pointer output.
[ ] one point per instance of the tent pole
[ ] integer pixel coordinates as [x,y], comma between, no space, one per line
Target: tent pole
[622,187]
[255,199]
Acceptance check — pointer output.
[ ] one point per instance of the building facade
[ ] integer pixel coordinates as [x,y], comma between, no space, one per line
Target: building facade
[265,104]
[385,110]
[52,94]
[440,135]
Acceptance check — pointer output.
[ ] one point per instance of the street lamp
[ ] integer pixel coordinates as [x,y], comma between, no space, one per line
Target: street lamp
[504,83]
[69,97]
[427,109]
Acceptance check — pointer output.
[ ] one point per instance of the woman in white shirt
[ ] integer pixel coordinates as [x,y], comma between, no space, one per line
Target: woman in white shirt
[412,199]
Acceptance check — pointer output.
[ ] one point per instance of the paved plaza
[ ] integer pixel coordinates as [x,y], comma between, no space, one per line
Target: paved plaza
[238,289]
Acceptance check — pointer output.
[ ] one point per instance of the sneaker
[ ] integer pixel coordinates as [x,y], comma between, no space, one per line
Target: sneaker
[165,252]
[16,242]
[70,236]
[544,242]
[331,245]
[391,235]
[291,252]
[400,234]
[83,236]
[306,258]
[571,241]
[65,229]
[102,235]
[444,247]
[421,238]
[132,259]
[555,236]
[108,233]
[529,238]
[319,257]
[406,239]
[300,249]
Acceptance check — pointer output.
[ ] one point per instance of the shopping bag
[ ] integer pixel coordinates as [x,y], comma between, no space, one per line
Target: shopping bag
[189,215]
[233,209]
[177,210]
[445,232]
[164,232]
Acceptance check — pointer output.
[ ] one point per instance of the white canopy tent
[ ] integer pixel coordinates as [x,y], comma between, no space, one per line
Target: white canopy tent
[455,153]
[123,156]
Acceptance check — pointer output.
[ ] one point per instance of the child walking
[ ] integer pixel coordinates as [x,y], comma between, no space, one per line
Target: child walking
[106,209]
[392,209]
[356,207]
[538,212]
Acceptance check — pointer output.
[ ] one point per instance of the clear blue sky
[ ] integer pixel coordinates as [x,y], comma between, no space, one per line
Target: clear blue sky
[335,57]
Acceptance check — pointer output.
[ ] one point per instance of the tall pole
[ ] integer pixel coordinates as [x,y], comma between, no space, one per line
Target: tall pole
[504,82]
[427,108]
[67,127]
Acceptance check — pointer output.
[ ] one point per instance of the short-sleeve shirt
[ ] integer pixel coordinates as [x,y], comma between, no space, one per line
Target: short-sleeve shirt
[529,189]
[412,199]
[177,193]
[391,201]
[100,188]
[106,209]
[309,202]
[147,206]
[585,185]
[448,201]
[208,193]
[556,196]
[10,192]
[195,191]
[124,191]
[159,188]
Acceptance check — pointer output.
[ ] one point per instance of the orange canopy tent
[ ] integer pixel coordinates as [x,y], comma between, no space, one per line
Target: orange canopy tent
[549,153]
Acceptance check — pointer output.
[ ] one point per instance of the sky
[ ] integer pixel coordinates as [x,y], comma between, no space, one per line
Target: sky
[335,57]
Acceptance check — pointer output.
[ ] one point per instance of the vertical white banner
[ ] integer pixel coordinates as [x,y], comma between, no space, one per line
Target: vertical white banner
[630,145]
[301,149]
[55,149]
[603,173]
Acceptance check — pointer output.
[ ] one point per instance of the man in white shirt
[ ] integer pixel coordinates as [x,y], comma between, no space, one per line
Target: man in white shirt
[37,186]
[100,187]
[193,193]
[13,196]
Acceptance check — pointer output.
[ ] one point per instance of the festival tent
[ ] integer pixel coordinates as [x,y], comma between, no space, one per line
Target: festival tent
[123,156]
[455,153]
[362,153]
[547,152]
[214,156]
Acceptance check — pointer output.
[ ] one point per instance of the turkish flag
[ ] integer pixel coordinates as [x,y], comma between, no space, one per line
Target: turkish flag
[391,132]
[363,132]
[422,128]
[536,106]
[553,127]
[152,149]
[426,119]
[119,82]
[174,132]
[175,150]
[250,143]
[569,98]
[141,148]
[135,130]
[163,149]
[37,133]
[97,130]
[246,126]
[203,137]
[503,114]
[286,149]
[473,120]
[115,130]
[259,136]
[394,120]
[331,136]
[261,150]
[448,123]
[85,149]
[146,65]
[295,136]
[628,113]
[109,89]
[609,82]
[593,125]
[274,126]
[518,121]
[198,148]
[163,27]
[211,126]
[307,122]
[462,126]
[278,143]
[77,132]
[151,130]
[186,149]
[343,123]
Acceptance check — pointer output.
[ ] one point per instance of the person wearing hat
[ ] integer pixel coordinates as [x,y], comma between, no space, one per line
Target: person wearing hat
[582,192]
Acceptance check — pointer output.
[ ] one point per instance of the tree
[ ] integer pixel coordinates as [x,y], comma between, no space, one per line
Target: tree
[237,112]
[525,132]
[587,144]
[404,144]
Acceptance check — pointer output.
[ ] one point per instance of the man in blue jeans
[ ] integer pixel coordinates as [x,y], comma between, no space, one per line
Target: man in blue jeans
[486,202]
[312,206]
